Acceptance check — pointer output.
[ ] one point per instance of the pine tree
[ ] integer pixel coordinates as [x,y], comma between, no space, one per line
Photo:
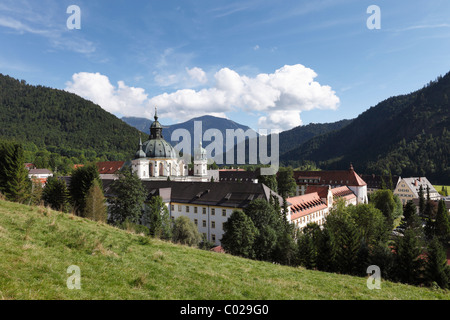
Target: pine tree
[55,194]
[408,264]
[157,218]
[325,260]
[286,183]
[95,208]
[421,201]
[80,183]
[430,216]
[14,182]
[36,192]
[436,268]
[442,225]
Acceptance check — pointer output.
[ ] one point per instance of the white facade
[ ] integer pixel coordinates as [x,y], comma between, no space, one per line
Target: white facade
[208,219]
[147,168]
[360,192]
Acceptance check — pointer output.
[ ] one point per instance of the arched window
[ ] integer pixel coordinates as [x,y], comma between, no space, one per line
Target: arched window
[161,169]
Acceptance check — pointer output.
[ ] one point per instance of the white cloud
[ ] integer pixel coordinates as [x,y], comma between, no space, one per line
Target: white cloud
[188,78]
[280,120]
[122,99]
[197,75]
[278,97]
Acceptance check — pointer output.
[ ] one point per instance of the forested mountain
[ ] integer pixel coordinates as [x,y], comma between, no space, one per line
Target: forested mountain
[293,138]
[61,127]
[405,135]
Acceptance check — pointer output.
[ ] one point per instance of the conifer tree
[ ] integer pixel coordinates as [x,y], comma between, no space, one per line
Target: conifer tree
[95,208]
[157,218]
[325,259]
[408,264]
[55,194]
[80,183]
[436,268]
[442,225]
[14,182]
[36,192]
[286,183]
[421,201]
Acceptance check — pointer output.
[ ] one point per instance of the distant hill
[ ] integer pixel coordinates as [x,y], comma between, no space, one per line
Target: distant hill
[406,135]
[62,122]
[207,122]
[288,140]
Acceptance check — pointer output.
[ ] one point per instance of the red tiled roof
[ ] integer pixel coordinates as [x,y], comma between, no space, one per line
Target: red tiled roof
[106,167]
[342,177]
[322,191]
[305,204]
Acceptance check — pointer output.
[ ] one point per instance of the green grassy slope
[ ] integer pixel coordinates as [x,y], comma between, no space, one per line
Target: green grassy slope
[37,246]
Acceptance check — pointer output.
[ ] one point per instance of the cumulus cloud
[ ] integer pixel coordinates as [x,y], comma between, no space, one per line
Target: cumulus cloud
[120,99]
[279,97]
[189,78]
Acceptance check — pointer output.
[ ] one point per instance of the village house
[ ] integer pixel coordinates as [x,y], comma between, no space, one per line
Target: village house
[408,189]
[40,175]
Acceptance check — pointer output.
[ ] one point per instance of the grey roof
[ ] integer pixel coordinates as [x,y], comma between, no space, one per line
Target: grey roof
[159,148]
[238,176]
[225,194]
[414,184]
[39,171]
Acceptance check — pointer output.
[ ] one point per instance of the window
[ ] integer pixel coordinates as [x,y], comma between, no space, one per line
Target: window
[224,213]
[179,208]
[172,207]
[204,223]
[213,211]
[196,222]
[187,208]
[195,209]
[213,237]
[204,210]
[213,224]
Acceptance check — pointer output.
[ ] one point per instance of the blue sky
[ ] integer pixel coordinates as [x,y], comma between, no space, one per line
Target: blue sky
[266,64]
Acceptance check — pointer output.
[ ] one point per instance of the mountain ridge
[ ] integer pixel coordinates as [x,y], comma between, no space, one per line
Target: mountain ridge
[388,131]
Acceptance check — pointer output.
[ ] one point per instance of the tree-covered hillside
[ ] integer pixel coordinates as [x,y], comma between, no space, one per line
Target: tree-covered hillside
[293,138]
[57,122]
[406,135]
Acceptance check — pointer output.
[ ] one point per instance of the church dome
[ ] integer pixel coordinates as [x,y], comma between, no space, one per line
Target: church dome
[159,148]
[156,146]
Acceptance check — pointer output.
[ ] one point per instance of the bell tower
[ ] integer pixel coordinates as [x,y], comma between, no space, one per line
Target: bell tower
[200,162]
